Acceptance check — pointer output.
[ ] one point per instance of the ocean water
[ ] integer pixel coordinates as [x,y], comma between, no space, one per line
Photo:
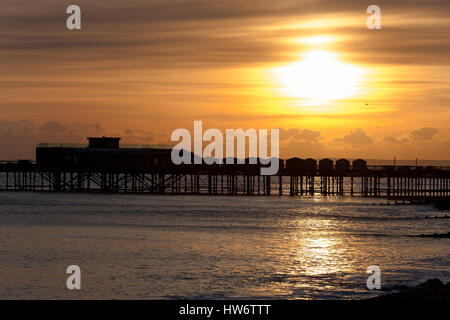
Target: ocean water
[213,247]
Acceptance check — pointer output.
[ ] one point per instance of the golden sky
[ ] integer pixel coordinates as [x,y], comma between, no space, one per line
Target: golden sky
[142,68]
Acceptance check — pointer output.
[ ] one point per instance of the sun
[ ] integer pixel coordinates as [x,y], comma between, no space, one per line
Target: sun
[319,77]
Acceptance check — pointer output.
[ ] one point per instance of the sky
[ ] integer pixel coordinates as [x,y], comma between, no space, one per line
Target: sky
[139,69]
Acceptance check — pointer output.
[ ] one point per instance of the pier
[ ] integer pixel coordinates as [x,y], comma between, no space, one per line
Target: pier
[103,166]
[402,183]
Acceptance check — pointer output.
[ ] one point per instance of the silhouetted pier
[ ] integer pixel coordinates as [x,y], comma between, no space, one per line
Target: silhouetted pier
[402,183]
[104,167]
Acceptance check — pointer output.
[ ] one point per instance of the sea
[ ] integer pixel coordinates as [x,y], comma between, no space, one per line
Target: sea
[141,246]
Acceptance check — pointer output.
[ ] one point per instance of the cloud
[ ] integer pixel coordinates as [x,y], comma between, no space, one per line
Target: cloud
[53,126]
[356,137]
[301,135]
[22,127]
[424,133]
[18,139]
[393,140]
[138,136]
[84,128]
[197,33]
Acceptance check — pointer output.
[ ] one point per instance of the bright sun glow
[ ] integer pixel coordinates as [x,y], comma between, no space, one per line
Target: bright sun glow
[320,77]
